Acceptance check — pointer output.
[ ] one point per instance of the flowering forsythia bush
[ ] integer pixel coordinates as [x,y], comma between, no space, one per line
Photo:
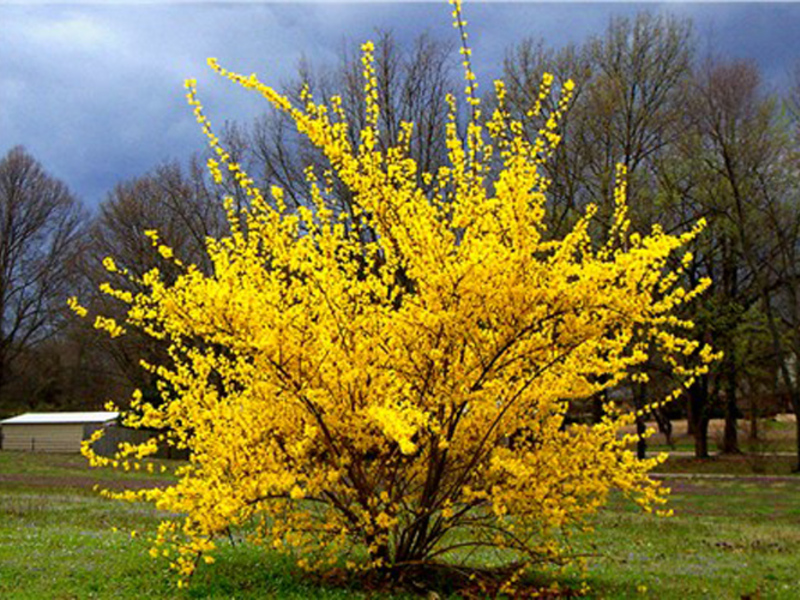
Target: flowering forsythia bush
[385,386]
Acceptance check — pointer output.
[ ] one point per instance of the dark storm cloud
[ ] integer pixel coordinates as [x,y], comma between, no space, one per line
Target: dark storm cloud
[96,94]
[95,91]
[766,33]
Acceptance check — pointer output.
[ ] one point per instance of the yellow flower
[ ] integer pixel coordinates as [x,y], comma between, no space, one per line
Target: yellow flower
[341,376]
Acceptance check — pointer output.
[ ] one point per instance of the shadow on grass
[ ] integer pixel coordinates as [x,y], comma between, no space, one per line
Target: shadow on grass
[248,572]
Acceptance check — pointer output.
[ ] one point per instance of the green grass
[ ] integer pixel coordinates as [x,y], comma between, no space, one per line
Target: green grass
[729,538]
[36,465]
[63,546]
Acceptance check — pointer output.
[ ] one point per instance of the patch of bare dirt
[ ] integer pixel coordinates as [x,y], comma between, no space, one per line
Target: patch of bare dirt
[79,481]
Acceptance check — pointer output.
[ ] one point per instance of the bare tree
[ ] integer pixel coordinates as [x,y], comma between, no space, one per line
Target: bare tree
[633,110]
[627,109]
[411,86]
[41,229]
[772,243]
[736,146]
[523,70]
[782,304]
[182,206]
[179,203]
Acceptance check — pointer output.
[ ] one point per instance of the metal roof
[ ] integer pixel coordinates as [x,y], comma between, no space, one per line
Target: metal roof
[60,417]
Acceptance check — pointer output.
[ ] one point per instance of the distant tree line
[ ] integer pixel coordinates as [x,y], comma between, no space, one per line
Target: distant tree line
[701,136]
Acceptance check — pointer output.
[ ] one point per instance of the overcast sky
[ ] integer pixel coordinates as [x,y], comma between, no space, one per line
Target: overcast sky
[94,91]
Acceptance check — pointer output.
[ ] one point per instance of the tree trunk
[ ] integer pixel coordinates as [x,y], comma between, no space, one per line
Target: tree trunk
[788,374]
[698,398]
[795,399]
[597,407]
[641,445]
[664,426]
[701,439]
[639,399]
[730,441]
[730,286]
[3,369]
[753,418]
[796,468]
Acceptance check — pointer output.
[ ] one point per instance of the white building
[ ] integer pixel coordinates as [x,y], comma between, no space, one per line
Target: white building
[52,432]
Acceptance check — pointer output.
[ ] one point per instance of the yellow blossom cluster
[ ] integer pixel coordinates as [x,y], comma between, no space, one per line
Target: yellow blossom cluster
[382,377]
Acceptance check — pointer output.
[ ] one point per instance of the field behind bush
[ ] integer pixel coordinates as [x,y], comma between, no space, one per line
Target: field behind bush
[731,537]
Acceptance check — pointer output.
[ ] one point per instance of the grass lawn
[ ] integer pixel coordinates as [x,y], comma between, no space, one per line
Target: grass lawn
[729,538]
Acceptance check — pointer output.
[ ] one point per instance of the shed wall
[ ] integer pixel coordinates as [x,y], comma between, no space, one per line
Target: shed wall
[43,437]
